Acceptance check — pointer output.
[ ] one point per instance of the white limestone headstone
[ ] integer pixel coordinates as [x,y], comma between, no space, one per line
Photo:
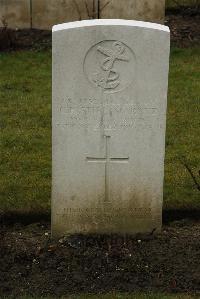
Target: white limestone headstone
[110,82]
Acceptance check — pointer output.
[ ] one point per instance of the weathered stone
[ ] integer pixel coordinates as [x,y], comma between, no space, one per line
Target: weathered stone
[46,13]
[15,13]
[109,112]
[142,10]
[42,14]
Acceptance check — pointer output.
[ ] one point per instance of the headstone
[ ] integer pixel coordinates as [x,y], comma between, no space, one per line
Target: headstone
[110,82]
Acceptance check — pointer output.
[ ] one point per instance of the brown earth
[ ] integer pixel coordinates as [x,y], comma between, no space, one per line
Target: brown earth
[30,262]
[184,28]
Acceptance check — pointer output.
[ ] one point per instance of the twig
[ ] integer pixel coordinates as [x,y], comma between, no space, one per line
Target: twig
[106,4]
[87,9]
[96,9]
[197,184]
[4,23]
[78,10]
[176,2]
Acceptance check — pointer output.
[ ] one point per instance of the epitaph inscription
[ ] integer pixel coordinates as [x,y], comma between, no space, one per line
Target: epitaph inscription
[108,115]
[139,212]
[110,66]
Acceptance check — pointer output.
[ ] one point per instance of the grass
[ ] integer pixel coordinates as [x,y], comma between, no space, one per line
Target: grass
[116,296]
[183,124]
[176,3]
[25,95]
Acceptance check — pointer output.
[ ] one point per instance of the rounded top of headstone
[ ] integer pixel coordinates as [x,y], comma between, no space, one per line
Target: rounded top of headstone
[109,22]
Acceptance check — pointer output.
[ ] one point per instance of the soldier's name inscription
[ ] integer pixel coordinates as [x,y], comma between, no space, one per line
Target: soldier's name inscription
[88,113]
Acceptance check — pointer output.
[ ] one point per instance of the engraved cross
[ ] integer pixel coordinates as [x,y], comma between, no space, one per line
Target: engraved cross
[107,160]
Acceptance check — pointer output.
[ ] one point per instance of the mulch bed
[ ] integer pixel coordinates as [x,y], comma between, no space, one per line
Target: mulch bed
[184,33]
[32,263]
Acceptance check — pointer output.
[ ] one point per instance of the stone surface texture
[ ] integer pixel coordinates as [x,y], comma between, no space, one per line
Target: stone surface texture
[15,13]
[110,82]
[142,10]
[43,14]
[46,13]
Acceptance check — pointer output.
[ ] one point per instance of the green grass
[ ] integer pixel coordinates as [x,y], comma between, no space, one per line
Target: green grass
[183,128]
[176,3]
[25,94]
[25,121]
[116,296]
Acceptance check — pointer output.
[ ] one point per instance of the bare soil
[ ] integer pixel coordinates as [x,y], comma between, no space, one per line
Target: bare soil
[32,263]
[184,33]
[185,29]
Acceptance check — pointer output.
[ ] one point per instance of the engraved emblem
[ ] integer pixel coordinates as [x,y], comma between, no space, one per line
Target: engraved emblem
[109,65]
[110,79]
